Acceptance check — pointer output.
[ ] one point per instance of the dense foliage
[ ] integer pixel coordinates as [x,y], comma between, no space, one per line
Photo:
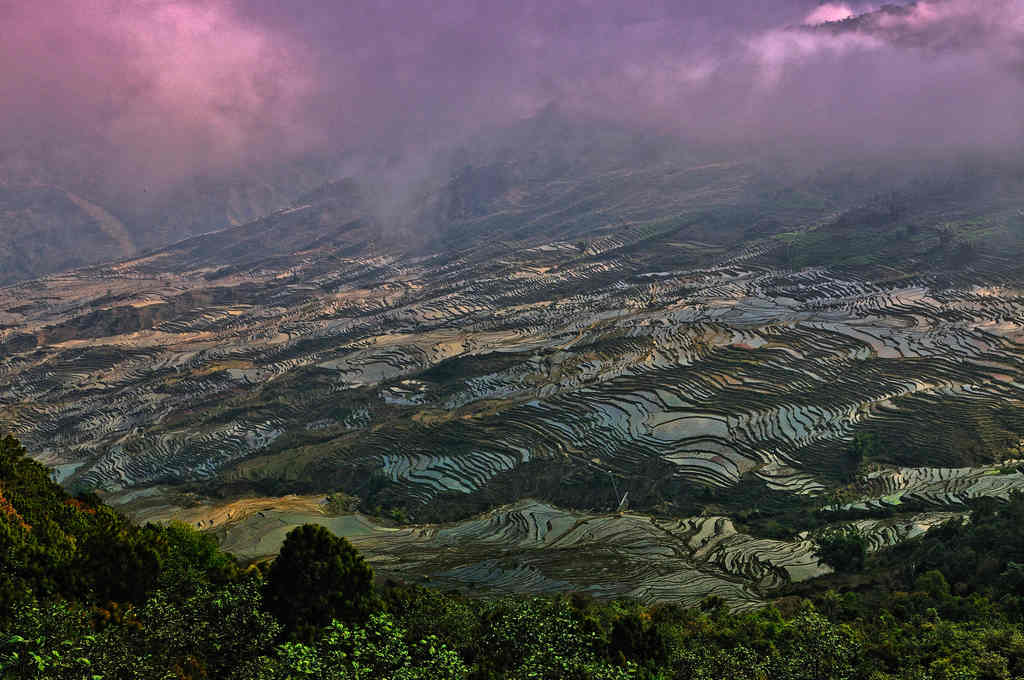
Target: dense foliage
[317,578]
[843,548]
[54,545]
[88,595]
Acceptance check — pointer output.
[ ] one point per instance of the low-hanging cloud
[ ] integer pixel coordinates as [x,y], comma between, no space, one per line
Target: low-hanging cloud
[829,12]
[156,90]
[942,74]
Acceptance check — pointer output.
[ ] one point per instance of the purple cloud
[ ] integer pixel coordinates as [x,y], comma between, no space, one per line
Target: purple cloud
[155,90]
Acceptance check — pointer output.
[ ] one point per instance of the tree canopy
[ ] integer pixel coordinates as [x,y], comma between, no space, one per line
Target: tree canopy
[318,578]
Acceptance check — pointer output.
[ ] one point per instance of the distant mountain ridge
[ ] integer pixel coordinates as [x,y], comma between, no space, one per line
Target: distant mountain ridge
[52,221]
[906,26]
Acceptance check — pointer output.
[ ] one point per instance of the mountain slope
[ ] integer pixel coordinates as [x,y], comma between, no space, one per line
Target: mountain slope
[52,221]
[679,335]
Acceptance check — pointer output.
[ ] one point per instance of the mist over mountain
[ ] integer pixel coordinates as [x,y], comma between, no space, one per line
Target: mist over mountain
[176,117]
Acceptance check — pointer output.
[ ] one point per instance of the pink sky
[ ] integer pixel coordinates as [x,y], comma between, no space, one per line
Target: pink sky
[830,11]
[161,89]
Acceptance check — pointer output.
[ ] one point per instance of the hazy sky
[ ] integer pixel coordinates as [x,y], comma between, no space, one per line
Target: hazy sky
[157,89]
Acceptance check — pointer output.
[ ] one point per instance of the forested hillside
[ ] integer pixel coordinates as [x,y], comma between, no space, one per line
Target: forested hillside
[86,594]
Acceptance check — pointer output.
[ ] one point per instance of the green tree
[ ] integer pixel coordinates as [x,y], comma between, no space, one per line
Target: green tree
[816,649]
[843,548]
[377,650]
[540,638]
[46,640]
[865,446]
[317,578]
[633,636]
[221,630]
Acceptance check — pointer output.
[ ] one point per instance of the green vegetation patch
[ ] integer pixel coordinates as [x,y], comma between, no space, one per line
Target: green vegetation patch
[943,606]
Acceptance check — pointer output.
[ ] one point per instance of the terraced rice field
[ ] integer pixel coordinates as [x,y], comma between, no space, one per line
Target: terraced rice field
[940,487]
[448,380]
[532,546]
[720,372]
